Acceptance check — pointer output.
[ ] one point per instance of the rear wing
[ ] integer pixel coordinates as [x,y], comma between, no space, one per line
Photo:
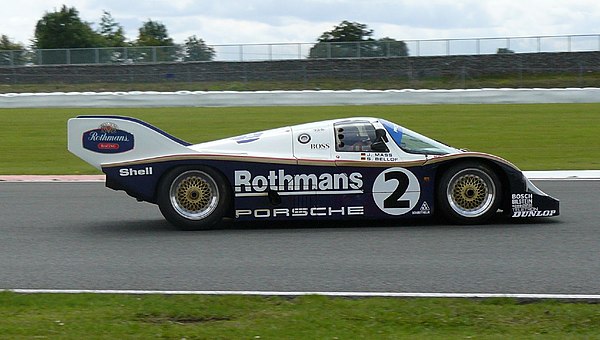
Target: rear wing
[100,140]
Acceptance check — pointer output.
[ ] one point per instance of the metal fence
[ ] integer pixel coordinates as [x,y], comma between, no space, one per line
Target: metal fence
[291,51]
[294,75]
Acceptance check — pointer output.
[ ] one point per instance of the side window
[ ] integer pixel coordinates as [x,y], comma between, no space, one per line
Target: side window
[354,136]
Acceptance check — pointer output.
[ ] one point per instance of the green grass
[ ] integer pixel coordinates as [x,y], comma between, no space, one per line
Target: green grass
[533,136]
[85,316]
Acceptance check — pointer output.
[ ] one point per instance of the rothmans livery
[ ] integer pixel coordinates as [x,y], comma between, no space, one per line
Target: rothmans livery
[350,168]
[284,183]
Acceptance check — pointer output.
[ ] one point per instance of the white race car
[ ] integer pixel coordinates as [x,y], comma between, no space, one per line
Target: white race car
[355,168]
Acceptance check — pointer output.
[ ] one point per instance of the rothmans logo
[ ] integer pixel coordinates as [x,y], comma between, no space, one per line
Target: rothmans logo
[107,138]
[248,184]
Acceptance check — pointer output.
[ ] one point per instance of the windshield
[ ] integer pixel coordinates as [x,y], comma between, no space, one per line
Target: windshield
[413,142]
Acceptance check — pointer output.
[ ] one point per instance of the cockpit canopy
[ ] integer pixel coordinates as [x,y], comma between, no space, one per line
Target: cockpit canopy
[361,135]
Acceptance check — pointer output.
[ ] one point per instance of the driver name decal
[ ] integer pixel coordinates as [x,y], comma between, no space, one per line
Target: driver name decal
[378,157]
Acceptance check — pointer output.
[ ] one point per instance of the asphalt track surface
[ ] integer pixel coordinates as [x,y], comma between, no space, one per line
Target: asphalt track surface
[84,236]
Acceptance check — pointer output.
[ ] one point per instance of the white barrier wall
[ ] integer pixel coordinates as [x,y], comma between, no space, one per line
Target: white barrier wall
[298,98]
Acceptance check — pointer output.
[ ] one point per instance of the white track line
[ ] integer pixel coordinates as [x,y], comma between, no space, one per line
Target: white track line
[332,294]
[302,97]
[564,175]
[52,178]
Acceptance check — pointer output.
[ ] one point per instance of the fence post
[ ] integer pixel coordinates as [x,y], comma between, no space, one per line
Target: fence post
[270,52]
[68,56]
[305,76]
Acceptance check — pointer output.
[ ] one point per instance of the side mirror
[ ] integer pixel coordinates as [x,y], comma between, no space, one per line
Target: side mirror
[380,140]
[380,135]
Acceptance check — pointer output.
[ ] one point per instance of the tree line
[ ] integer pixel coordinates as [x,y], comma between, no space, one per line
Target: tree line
[353,39]
[64,29]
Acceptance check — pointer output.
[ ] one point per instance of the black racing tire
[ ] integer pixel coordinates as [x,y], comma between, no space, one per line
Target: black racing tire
[469,193]
[194,197]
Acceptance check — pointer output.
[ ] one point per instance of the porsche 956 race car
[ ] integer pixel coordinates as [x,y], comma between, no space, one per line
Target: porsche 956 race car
[351,168]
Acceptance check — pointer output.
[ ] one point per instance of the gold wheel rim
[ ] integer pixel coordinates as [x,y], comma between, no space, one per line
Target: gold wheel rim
[469,192]
[194,194]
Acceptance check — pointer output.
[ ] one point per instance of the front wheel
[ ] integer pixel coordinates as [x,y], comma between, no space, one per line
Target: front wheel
[194,198]
[469,193]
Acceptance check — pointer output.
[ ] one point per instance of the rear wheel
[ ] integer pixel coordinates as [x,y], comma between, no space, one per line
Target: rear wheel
[469,193]
[194,198]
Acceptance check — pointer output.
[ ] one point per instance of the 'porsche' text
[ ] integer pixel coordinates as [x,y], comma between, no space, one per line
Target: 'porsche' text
[300,212]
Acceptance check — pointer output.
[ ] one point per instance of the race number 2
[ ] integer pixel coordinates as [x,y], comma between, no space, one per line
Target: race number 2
[396,191]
